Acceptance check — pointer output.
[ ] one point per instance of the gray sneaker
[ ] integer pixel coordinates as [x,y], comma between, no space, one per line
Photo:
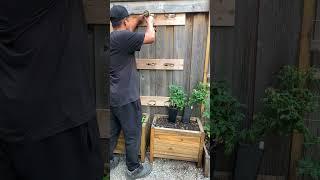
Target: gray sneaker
[114,162]
[142,171]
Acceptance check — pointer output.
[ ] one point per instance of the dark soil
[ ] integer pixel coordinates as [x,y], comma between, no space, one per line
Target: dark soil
[163,122]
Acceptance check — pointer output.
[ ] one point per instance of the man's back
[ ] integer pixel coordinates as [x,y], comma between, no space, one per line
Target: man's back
[124,77]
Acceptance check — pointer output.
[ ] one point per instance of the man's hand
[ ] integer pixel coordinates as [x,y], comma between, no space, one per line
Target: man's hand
[149,36]
[149,20]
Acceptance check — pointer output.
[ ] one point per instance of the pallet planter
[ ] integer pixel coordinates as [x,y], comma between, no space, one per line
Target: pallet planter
[206,162]
[176,144]
[145,134]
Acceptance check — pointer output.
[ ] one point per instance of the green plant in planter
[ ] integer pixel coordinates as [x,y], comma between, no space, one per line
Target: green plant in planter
[226,116]
[177,99]
[197,97]
[206,115]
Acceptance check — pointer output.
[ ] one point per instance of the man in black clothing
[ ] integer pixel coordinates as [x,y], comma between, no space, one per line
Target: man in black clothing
[48,127]
[124,86]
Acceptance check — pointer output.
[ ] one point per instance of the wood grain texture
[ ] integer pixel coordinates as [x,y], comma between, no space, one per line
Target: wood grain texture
[179,51]
[223,12]
[160,64]
[171,19]
[96,11]
[309,9]
[200,28]
[206,162]
[176,143]
[154,101]
[147,77]
[182,6]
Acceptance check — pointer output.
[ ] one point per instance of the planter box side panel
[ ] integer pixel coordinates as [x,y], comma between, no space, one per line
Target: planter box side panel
[176,146]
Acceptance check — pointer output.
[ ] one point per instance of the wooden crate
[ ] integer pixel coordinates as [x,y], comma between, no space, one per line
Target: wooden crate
[145,134]
[176,143]
[206,161]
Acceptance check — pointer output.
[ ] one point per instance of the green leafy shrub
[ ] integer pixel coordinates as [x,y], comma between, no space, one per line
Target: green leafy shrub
[285,107]
[199,94]
[226,116]
[177,97]
[309,167]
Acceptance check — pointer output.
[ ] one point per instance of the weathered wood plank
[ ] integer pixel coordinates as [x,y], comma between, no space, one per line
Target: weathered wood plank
[200,28]
[188,51]
[154,101]
[147,77]
[96,11]
[100,67]
[176,157]
[167,19]
[160,64]
[309,8]
[164,49]
[282,20]
[223,12]
[179,51]
[182,6]
[206,162]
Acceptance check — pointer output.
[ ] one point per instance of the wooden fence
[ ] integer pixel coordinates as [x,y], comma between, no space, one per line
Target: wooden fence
[267,35]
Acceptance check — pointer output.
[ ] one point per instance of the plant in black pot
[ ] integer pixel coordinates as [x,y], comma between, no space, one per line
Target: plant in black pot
[284,109]
[249,151]
[177,98]
[226,115]
[198,97]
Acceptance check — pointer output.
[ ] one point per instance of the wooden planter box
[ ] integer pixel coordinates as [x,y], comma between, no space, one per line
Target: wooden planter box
[206,162]
[145,134]
[176,143]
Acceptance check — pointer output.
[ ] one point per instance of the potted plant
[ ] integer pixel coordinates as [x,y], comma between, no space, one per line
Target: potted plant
[198,97]
[177,98]
[284,109]
[226,115]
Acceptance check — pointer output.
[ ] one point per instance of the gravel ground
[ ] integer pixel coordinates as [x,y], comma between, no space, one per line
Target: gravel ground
[164,169]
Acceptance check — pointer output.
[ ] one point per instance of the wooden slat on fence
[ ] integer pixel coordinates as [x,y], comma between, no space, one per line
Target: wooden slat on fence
[160,64]
[167,19]
[154,101]
[182,6]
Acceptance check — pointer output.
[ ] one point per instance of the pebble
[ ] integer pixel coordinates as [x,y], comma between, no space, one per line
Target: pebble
[164,169]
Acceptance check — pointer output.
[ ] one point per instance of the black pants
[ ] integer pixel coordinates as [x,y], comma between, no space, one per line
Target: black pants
[128,119]
[70,155]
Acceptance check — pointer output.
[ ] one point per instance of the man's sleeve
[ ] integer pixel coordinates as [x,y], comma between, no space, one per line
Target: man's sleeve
[135,41]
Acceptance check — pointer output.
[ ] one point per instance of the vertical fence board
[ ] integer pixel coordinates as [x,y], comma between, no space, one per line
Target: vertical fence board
[188,51]
[278,39]
[200,28]
[100,66]
[147,81]
[179,52]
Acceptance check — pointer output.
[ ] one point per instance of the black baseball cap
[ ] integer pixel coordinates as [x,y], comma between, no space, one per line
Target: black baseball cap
[117,13]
